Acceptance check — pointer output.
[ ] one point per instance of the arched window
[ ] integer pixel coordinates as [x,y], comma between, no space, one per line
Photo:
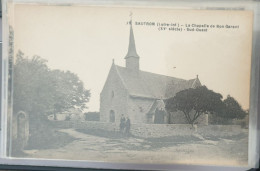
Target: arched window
[112,116]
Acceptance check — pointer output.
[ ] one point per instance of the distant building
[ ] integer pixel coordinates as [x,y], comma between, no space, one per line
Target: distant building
[70,114]
[138,94]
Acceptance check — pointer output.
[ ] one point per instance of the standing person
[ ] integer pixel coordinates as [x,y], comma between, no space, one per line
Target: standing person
[122,124]
[127,127]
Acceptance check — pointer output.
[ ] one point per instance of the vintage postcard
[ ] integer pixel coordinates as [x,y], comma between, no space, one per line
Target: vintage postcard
[130,85]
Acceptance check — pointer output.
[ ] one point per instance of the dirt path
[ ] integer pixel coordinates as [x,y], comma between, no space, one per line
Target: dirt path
[88,147]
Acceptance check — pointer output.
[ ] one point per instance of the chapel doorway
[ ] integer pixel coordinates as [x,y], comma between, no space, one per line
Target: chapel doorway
[159,116]
[112,116]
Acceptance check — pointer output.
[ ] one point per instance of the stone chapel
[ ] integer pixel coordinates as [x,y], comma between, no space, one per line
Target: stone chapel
[137,94]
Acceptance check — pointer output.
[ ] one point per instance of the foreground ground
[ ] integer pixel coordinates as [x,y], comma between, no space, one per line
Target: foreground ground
[191,150]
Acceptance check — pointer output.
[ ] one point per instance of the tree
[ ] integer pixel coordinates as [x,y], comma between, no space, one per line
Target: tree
[40,91]
[195,102]
[69,92]
[232,109]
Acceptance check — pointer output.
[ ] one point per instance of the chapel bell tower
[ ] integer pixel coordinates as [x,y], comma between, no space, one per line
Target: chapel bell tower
[132,58]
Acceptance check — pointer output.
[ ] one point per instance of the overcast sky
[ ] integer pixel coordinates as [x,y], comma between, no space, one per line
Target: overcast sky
[84,40]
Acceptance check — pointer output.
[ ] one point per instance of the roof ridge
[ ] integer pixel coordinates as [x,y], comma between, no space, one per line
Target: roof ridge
[157,74]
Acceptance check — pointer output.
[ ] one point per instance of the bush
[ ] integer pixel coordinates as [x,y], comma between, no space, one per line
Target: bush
[92,116]
[68,118]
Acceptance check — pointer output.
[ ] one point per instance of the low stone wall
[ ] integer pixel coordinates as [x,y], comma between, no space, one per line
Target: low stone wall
[161,130]
[164,130]
[155,130]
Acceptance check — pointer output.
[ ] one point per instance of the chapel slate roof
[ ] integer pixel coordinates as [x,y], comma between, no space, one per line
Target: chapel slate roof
[150,85]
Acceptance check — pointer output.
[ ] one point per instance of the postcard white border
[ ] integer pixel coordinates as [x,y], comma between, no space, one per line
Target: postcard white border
[254,126]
